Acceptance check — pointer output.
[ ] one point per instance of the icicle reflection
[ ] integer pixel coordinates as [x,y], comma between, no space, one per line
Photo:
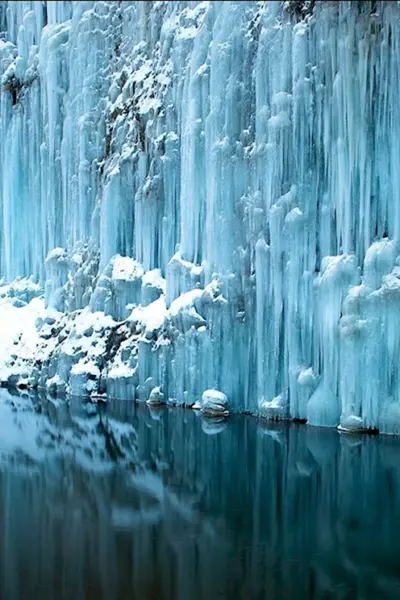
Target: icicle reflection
[118,501]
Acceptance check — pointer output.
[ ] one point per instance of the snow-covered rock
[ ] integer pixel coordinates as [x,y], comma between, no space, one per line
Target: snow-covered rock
[156,397]
[214,404]
[274,409]
[351,423]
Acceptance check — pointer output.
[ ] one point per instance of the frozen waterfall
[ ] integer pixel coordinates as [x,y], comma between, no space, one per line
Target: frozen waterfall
[207,195]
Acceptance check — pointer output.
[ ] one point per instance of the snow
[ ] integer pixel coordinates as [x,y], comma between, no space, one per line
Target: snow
[154,278]
[185,302]
[152,316]
[203,203]
[56,254]
[85,368]
[126,269]
[120,371]
[17,326]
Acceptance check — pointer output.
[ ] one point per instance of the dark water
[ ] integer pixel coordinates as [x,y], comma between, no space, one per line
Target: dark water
[120,502]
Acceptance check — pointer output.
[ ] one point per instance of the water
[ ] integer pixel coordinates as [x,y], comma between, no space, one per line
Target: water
[118,502]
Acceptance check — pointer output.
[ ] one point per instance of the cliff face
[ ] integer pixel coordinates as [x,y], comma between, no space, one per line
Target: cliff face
[209,195]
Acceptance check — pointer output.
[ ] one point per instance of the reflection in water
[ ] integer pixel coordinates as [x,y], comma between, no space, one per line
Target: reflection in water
[117,502]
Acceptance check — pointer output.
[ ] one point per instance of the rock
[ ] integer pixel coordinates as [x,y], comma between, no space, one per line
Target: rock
[49,320]
[214,404]
[62,336]
[39,323]
[156,397]
[18,303]
[351,423]
[13,379]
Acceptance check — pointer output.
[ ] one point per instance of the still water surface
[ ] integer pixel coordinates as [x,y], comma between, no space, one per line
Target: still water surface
[119,502]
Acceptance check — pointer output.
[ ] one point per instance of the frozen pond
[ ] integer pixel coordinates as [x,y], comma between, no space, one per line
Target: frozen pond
[116,502]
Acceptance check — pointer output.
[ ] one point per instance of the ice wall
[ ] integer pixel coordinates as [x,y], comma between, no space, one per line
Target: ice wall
[242,153]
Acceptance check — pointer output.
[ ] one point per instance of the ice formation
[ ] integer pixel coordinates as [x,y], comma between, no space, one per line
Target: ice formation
[207,196]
